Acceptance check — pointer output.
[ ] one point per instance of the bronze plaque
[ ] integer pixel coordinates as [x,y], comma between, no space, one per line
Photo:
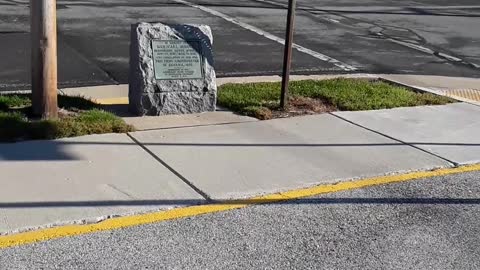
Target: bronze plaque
[177,59]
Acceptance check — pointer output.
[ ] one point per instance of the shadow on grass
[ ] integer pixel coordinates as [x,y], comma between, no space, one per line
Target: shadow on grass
[15,127]
[22,102]
[77,116]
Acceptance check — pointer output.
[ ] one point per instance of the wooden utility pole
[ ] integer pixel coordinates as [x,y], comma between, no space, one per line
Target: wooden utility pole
[43,29]
[287,56]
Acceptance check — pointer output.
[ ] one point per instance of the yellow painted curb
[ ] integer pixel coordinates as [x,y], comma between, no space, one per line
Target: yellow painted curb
[112,101]
[128,221]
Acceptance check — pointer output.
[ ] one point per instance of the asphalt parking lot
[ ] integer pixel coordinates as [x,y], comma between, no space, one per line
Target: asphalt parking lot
[414,37]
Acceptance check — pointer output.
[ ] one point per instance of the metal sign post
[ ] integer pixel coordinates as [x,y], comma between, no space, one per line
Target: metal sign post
[287,57]
[43,29]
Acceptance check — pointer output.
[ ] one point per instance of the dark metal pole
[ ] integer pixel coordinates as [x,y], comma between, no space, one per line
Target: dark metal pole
[287,56]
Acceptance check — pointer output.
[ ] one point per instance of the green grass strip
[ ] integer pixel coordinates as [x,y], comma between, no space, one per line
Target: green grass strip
[344,94]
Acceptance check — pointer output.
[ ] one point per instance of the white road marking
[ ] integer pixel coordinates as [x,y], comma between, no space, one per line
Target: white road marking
[449,57]
[265,34]
[332,20]
[429,51]
[327,10]
[409,45]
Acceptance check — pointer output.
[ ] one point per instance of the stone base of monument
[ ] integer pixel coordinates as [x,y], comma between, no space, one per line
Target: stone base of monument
[171,69]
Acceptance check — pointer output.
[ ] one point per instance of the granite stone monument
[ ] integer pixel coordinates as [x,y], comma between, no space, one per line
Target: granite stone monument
[171,69]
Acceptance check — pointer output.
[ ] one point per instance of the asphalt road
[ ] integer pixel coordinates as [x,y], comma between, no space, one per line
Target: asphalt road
[434,37]
[423,224]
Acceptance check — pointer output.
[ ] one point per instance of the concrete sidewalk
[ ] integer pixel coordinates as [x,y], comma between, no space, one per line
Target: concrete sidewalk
[115,97]
[86,179]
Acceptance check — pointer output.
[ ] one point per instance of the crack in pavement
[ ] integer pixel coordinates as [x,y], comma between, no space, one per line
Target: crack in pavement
[420,46]
[15,3]
[380,31]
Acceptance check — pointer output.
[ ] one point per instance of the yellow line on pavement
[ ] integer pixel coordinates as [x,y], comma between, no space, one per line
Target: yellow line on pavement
[189,211]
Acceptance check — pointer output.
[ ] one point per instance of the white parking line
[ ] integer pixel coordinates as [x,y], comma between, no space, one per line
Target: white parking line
[259,31]
[429,51]
[327,10]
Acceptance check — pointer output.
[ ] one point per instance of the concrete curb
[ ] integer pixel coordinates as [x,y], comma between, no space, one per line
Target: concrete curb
[120,91]
[41,234]
[118,94]
[432,90]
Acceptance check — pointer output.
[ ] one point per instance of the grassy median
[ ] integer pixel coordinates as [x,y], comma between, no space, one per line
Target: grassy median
[261,100]
[77,116]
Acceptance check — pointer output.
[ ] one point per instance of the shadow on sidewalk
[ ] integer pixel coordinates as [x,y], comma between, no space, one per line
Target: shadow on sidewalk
[326,201]
[35,151]
[59,149]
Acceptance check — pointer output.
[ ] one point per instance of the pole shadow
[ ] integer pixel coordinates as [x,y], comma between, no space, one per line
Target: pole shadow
[192,202]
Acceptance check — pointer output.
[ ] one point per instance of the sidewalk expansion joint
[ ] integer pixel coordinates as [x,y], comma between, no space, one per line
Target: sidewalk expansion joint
[176,173]
[455,164]
[199,125]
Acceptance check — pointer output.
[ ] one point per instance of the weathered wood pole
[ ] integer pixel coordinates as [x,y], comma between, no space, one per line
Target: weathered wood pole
[43,29]
[287,56]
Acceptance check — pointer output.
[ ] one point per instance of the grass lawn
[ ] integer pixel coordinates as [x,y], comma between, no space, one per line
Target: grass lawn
[77,116]
[261,100]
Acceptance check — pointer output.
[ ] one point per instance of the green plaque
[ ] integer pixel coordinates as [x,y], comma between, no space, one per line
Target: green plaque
[177,59]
